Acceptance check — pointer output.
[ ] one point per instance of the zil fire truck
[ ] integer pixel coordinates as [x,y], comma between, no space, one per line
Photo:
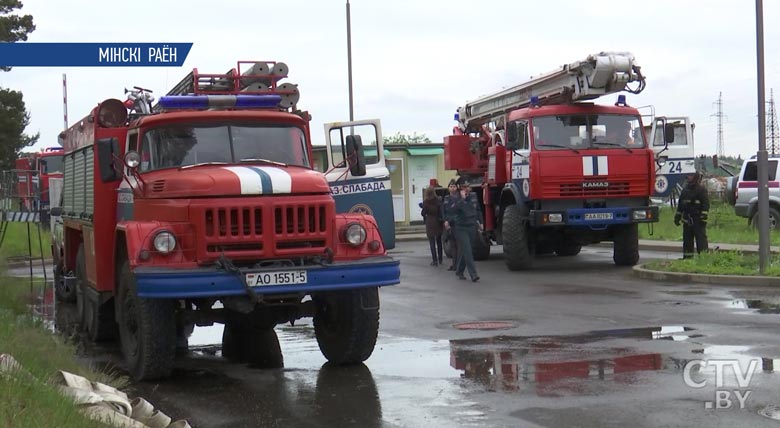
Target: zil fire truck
[33,173]
[205,208]
[555,173]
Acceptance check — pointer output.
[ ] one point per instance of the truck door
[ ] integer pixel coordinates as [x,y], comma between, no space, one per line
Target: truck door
[670,176]
[369,193]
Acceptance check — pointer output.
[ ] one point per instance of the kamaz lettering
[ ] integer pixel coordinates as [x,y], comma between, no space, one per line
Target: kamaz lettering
[595,185]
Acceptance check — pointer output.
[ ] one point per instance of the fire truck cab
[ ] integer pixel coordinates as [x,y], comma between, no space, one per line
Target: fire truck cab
[205,208]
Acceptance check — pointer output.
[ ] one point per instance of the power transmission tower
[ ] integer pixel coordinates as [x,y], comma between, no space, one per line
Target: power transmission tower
[772,131]
[720,117]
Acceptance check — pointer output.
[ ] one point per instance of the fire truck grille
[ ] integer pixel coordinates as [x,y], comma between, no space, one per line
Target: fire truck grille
[571,190]
[266,231]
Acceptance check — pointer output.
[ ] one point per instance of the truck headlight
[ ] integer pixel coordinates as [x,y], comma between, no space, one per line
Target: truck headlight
[640,215]
[555,218]
[164,242]
[355,234]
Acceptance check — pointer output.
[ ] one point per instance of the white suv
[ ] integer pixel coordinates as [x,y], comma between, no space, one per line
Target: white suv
[746,192]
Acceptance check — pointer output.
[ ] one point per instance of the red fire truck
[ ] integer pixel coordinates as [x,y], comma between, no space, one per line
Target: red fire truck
[204,208]
[33,171]
[554,174]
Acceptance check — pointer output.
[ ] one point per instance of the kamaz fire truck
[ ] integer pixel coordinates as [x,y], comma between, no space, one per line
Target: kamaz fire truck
[555,173]
[204,208]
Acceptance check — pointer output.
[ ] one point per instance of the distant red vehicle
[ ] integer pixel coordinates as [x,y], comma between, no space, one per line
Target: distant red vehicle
[33,171]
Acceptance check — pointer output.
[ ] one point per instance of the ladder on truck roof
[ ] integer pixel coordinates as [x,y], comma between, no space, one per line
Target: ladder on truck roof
[260,78]
[597,75]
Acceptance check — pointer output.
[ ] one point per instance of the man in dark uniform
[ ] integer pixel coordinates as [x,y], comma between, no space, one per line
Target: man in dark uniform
[449,220]
[693,210]
[466,214]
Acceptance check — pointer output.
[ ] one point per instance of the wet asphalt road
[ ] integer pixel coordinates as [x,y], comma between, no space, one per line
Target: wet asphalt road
[581,343]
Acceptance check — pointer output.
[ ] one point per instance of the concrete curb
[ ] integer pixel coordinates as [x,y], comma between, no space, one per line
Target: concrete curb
[731,280]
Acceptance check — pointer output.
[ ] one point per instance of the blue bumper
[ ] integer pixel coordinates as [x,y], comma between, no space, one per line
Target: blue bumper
[160,283]
[593,217]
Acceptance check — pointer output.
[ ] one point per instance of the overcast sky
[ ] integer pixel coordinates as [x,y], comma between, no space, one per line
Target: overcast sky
[416,61]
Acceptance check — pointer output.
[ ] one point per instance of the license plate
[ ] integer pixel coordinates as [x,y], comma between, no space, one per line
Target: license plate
[283,277]
[598,216]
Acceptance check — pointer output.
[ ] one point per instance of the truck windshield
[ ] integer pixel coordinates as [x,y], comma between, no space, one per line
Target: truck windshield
[50,164]
[182,145]
[587,131]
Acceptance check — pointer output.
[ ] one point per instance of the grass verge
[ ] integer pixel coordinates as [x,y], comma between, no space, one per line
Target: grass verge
[15,242]
[724,227]
[718,263]
[33,401]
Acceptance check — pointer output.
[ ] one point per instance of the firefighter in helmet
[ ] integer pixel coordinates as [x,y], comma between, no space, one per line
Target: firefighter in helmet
[693,210]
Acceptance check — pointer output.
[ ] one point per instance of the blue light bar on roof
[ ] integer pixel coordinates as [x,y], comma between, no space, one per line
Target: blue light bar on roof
[206,101]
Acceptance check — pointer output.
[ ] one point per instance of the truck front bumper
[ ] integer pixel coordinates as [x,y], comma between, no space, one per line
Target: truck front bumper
[163,283]
[593,217]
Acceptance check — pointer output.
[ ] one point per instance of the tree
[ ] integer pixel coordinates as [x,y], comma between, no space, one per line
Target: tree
[399,138]
[13,120]
[13,113]
[13,28]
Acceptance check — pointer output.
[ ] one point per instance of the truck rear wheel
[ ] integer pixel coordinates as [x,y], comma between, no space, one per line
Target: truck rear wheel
[147,330]
[65,291]
[346,324]
[568,250]
[517,246]
[242,343]
[481,246]
[625,248]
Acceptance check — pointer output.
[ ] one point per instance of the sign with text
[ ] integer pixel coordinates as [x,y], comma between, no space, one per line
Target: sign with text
[93,54]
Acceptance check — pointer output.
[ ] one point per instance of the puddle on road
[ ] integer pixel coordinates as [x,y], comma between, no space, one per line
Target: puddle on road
[762,306]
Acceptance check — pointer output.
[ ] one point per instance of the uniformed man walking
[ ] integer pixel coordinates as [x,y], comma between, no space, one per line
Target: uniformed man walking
[693,211]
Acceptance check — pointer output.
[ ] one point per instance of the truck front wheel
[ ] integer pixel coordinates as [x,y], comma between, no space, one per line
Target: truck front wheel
[346,324]
[147,330]
[517,247]
[245,343]
[625,249]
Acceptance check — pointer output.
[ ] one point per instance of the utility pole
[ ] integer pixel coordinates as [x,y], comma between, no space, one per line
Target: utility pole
[720,117]
[772,131]
[762,160]
[349,63]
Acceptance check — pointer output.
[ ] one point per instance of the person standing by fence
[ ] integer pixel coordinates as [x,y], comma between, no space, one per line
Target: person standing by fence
[434,219]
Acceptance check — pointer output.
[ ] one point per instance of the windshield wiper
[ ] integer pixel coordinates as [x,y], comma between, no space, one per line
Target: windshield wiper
[560,146]
[263,161]
[202,164]
[608,143]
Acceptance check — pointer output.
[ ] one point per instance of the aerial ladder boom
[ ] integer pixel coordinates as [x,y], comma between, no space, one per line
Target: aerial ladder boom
[597,75]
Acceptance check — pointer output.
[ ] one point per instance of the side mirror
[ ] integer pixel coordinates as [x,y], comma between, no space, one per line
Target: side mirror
[512,142]
[107,148]
[668,133]
[55,211]
[132,159]
[356,159]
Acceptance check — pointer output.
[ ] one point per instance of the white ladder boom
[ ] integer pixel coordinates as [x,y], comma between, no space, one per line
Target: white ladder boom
[600,74]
